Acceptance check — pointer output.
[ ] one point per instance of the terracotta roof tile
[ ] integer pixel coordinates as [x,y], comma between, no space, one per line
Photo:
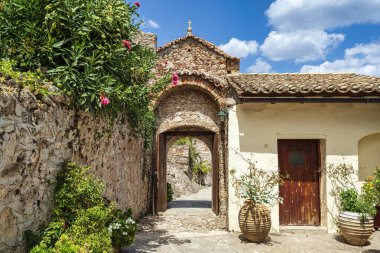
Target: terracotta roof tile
[304,84]
[219,82]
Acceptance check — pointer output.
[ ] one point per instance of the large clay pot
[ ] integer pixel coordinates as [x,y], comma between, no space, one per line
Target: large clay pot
[254,221]
[377,218]
[355,230]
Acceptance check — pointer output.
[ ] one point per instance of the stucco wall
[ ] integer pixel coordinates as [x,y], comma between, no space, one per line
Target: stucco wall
[37,134]
[369,155]
[255,128]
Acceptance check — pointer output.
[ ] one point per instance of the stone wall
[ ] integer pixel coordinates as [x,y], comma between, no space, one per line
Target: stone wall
[38,134]
[179,174]
[191,55]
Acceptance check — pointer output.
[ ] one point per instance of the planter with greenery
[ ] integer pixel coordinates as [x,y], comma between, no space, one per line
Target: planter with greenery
[355,220]
[356,217]
[371,192]
[257,188]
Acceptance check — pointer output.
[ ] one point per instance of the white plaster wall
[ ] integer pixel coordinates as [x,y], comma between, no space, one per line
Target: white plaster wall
[255,128]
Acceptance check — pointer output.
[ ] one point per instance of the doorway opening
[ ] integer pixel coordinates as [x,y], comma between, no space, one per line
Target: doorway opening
[188,162]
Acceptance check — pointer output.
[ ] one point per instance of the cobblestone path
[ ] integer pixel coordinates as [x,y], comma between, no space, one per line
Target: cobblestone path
[189,226]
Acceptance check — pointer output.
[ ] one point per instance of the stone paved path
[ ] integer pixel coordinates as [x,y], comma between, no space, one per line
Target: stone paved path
[189,226]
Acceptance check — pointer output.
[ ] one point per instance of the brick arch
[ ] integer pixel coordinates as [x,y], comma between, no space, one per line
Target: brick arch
[212,86]
[191,109]
[188,106]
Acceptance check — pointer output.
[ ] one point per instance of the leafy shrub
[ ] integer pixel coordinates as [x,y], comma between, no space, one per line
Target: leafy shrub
[371,188]
[122,228]
[34,81]
[82,220]
[170,192]
[351,201]
[83,46]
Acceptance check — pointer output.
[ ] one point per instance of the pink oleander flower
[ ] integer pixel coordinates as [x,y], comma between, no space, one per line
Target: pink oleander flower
[126,44]
[104,100]
[137,4]
[175,78]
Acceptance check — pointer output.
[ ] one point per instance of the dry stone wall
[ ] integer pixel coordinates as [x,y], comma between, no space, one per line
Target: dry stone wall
[37,135]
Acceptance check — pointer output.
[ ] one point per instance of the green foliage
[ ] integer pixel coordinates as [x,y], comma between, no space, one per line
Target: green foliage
[196,163]
[122,228]
[33,238]
[371,188]
[347,197]
[82,219]
[170,192]
[34,81]
[351,201]
[79,42]
[76,190]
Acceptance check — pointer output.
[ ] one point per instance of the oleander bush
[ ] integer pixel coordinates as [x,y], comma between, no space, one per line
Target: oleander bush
[88,48]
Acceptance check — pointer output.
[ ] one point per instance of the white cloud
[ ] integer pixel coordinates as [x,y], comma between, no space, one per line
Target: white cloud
[153,24]
[301,46]
[361,59]
[260,66]
[287,15]
[240,48]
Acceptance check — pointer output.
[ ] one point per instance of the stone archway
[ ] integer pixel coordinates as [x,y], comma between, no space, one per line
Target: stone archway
[191,109]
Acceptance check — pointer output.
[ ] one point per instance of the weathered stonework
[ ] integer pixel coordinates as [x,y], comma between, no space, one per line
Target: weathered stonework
[193,104]
[179,173]
[37,135]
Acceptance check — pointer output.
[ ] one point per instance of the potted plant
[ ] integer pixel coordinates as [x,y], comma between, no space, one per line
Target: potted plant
[355,220]
[256,186]
[371,192]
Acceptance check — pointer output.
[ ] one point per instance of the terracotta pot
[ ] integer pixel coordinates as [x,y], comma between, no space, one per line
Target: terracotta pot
[377,218]
[254,221]
[353,229]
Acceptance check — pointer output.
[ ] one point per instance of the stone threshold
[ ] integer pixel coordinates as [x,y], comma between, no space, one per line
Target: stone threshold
[303,229]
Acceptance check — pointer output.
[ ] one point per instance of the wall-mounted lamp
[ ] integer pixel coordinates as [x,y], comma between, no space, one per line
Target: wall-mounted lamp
[222,115]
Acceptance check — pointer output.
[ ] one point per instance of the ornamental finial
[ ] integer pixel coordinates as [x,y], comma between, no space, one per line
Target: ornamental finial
[189,29]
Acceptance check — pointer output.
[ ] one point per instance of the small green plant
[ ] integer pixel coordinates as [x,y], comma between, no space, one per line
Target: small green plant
[83,221]
[346,195]
[351,201]
[371,188]
[169,191]
[122,228]
[257,184]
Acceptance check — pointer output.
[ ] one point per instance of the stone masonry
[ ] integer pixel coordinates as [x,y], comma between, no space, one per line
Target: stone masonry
[37,135]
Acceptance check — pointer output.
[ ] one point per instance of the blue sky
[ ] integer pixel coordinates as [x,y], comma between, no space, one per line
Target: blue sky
[277,36]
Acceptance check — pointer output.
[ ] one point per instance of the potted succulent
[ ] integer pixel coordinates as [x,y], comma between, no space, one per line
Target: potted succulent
[355,220]
[371,193]
[256,186]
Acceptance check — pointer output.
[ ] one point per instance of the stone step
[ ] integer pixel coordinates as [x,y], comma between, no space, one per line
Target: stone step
[303,229]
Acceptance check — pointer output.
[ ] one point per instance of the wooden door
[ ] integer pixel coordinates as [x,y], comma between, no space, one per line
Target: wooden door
[215,175]
[161,193]
[299,159]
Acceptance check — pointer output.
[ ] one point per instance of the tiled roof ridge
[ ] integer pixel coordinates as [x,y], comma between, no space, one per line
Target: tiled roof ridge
[219,82]
[200,40]
[307,83]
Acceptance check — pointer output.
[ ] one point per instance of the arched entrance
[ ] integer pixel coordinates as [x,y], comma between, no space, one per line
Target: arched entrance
[190,109]
[163,140]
